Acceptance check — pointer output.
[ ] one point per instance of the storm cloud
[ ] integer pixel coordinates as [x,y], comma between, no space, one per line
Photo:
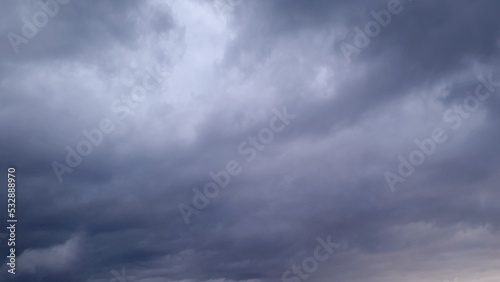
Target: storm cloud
[256,141]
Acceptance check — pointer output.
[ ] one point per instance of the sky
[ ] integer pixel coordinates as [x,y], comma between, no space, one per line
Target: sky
[251,141]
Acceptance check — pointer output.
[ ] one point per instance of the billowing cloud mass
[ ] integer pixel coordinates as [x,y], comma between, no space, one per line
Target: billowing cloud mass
[257,141]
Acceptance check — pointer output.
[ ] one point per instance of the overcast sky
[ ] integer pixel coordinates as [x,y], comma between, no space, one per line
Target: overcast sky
[255,141]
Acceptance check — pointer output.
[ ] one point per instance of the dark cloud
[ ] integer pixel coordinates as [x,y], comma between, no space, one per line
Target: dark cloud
[214,73]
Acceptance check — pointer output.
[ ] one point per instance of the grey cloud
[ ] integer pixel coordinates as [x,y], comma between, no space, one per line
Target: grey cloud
[321,176]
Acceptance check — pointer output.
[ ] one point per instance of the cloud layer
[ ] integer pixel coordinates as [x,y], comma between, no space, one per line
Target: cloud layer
[198,175]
